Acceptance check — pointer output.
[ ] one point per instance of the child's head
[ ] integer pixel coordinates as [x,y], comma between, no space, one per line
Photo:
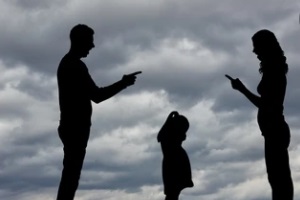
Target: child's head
[174,129]
[181,125]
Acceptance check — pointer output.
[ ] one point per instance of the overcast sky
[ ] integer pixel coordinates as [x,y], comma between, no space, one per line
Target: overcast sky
[184,48]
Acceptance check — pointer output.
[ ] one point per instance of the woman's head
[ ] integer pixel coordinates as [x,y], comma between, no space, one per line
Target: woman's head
[268,50]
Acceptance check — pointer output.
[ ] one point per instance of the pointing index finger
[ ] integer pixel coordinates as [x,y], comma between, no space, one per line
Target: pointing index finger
[229,77]
[134,73]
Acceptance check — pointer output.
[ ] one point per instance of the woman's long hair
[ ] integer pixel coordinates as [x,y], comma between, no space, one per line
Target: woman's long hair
[268,48]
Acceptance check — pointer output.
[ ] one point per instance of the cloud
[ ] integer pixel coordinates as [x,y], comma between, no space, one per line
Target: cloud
[184,48]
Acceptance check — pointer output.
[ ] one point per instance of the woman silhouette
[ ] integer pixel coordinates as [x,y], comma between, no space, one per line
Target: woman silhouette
[176,168]
[270,118]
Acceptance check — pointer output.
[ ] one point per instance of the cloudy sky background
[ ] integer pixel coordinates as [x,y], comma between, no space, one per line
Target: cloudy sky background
[184,48]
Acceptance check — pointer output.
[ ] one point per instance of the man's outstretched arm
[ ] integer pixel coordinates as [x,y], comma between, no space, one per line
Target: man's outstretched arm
[99,94]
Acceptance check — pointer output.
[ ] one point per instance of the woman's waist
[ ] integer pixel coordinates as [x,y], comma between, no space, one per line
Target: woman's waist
[273,121]
[270,113]
[274,116]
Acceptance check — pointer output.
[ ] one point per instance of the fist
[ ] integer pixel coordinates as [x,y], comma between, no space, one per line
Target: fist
[235,83]
[129,79]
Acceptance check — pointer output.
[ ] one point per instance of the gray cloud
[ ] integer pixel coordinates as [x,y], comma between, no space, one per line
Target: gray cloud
[184,49]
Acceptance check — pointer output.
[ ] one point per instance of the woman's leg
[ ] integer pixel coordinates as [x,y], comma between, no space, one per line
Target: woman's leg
[278,168]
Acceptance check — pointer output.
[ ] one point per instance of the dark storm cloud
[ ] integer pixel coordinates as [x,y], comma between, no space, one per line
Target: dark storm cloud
[46,39]
[129,178]
[184,48]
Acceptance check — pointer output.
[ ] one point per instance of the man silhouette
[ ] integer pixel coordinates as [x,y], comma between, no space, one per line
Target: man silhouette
[76,91]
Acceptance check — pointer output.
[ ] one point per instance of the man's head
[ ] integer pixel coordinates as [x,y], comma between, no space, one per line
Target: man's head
[82,39]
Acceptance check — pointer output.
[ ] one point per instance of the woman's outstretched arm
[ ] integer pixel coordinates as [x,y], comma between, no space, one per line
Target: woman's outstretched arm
[238,85]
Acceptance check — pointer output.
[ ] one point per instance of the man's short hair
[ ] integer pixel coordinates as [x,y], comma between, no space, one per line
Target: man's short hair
[80,32]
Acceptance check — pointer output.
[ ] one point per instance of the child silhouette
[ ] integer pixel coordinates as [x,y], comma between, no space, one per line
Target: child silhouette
[176,168]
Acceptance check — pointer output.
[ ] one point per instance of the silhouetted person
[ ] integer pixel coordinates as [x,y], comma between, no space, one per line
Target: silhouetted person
[176,168]
[76,91]
[275,130]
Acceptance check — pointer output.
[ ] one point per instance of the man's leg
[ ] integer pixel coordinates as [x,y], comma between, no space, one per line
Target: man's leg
[74,153]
